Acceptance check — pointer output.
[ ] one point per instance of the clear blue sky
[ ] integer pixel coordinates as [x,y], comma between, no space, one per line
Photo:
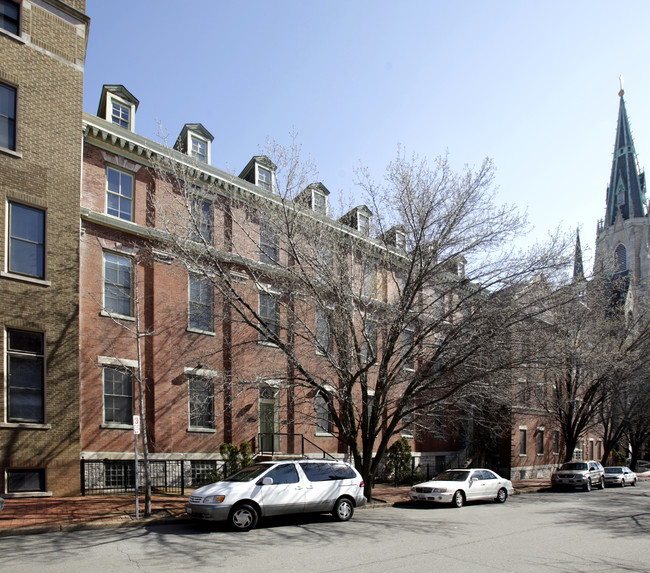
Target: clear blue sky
[532,85]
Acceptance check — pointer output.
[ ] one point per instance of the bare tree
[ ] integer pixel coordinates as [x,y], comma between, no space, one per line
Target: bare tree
[387,313]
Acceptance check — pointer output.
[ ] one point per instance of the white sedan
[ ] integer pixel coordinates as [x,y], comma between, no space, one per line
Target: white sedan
[619,475]
[461,485]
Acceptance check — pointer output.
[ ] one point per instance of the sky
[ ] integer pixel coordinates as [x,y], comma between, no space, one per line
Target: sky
[533,85]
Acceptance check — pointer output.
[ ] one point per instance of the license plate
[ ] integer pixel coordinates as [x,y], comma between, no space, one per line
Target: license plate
[189,510]
[422,496]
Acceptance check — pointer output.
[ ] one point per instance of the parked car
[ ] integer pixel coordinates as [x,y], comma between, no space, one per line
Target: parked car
[460,485]
[620,475]
[587,474]
[278,488]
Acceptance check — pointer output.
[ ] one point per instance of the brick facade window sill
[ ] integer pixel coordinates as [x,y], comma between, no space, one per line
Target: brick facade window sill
[23,278]
[201,431]
[11,152]
[111,426]
[25,426]
[199,331]
[117,316]
[16,495]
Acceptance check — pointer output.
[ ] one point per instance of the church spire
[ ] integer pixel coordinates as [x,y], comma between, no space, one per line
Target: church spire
[626,190]
[578,270]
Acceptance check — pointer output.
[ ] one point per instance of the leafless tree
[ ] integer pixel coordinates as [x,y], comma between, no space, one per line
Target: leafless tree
[388,318]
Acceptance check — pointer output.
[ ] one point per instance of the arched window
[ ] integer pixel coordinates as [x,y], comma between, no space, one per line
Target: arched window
[620,258]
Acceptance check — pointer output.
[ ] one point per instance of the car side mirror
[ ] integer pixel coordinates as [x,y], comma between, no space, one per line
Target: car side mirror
[267,481]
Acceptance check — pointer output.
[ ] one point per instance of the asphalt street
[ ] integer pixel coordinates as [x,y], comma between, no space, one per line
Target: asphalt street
[548,531]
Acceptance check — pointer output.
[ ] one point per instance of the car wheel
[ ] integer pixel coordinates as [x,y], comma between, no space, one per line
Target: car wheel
[587,486]
[343,509]
[502,495]
[601,485]
[243,517]
[634,482]
[623,482]
[459,499]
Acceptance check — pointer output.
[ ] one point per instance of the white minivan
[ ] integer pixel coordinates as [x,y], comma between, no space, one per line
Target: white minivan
[277,488]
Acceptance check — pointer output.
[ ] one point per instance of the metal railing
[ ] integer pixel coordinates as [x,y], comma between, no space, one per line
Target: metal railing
[277,443]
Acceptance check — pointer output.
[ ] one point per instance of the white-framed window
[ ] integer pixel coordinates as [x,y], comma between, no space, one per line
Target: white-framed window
[120,114]
[369,344]
[198,148]
[119,193]
[118,395]
[407,339]
[319,202]
[264,178]
[408,422]
[201,402]
[118,284]
[540,441]
[400,241]
[26,240]
[439,423]
[269,310]
[269,244]
[556,442]
[369,279]
[8,98]
[523,437]
[10,16]
[324,340]
[200,304]
[202,220]
[363,222]
[25,374]
[324,422]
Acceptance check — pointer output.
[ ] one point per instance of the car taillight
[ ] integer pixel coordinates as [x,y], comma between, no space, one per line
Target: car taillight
[361,484]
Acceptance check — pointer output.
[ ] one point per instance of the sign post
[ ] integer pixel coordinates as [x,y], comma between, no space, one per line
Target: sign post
[136,433]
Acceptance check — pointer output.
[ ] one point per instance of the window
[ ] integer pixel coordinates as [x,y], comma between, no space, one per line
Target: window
[327,471]
[200,311]
[201,402]
[270,315]
[264,178]
[368,287]
[556,442]
[119,474]
[400,241]
[369,345]
[10,16]
[202,215]
[20,481]
[118,292]
[324,423]
[522,442]
[408,341]
[363,222]
[408,421]
[540,442]
[286,473]
[119,194]
[323,333]
[120,114]
[26,240]
[118,395]
[268,244]
[620,258]
[199,149]
[7,116]
[439,424]
[25,376]
[202,472]
[319,203]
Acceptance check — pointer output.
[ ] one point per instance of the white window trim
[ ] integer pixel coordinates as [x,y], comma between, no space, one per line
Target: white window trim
[110,97]
[113,361]
[258,178]
[202,372]
[193,135]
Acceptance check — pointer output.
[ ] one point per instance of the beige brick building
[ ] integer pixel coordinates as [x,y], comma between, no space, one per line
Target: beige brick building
[42,54]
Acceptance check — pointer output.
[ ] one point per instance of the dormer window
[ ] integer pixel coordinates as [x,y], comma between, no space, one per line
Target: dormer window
[121,115]
[118,106]
[264,178]
[363,223]
[319,203]
[461,269]
[199,149]
[195,141]
[400,241]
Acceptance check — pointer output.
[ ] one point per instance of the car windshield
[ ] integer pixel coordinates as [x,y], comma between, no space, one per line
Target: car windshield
[452,475]
[577,466]
[249,473]
[613,470]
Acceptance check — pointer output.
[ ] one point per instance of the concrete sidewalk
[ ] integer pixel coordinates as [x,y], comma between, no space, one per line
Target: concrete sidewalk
[41,515]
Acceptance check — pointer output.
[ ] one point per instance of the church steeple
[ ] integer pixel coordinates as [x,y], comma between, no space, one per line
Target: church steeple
[626,190]
[578,269]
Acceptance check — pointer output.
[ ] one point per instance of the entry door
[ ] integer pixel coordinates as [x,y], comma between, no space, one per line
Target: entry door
[268,419]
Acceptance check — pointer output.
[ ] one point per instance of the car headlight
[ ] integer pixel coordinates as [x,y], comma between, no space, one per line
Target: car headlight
[214,499]
[439,490]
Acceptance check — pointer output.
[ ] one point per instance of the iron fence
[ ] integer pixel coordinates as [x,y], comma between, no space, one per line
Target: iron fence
[167,476]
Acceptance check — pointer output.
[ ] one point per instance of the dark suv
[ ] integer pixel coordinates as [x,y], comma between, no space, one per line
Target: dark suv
[585,474]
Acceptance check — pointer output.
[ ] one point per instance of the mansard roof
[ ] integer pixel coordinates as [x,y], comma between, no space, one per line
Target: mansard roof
[626,190]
